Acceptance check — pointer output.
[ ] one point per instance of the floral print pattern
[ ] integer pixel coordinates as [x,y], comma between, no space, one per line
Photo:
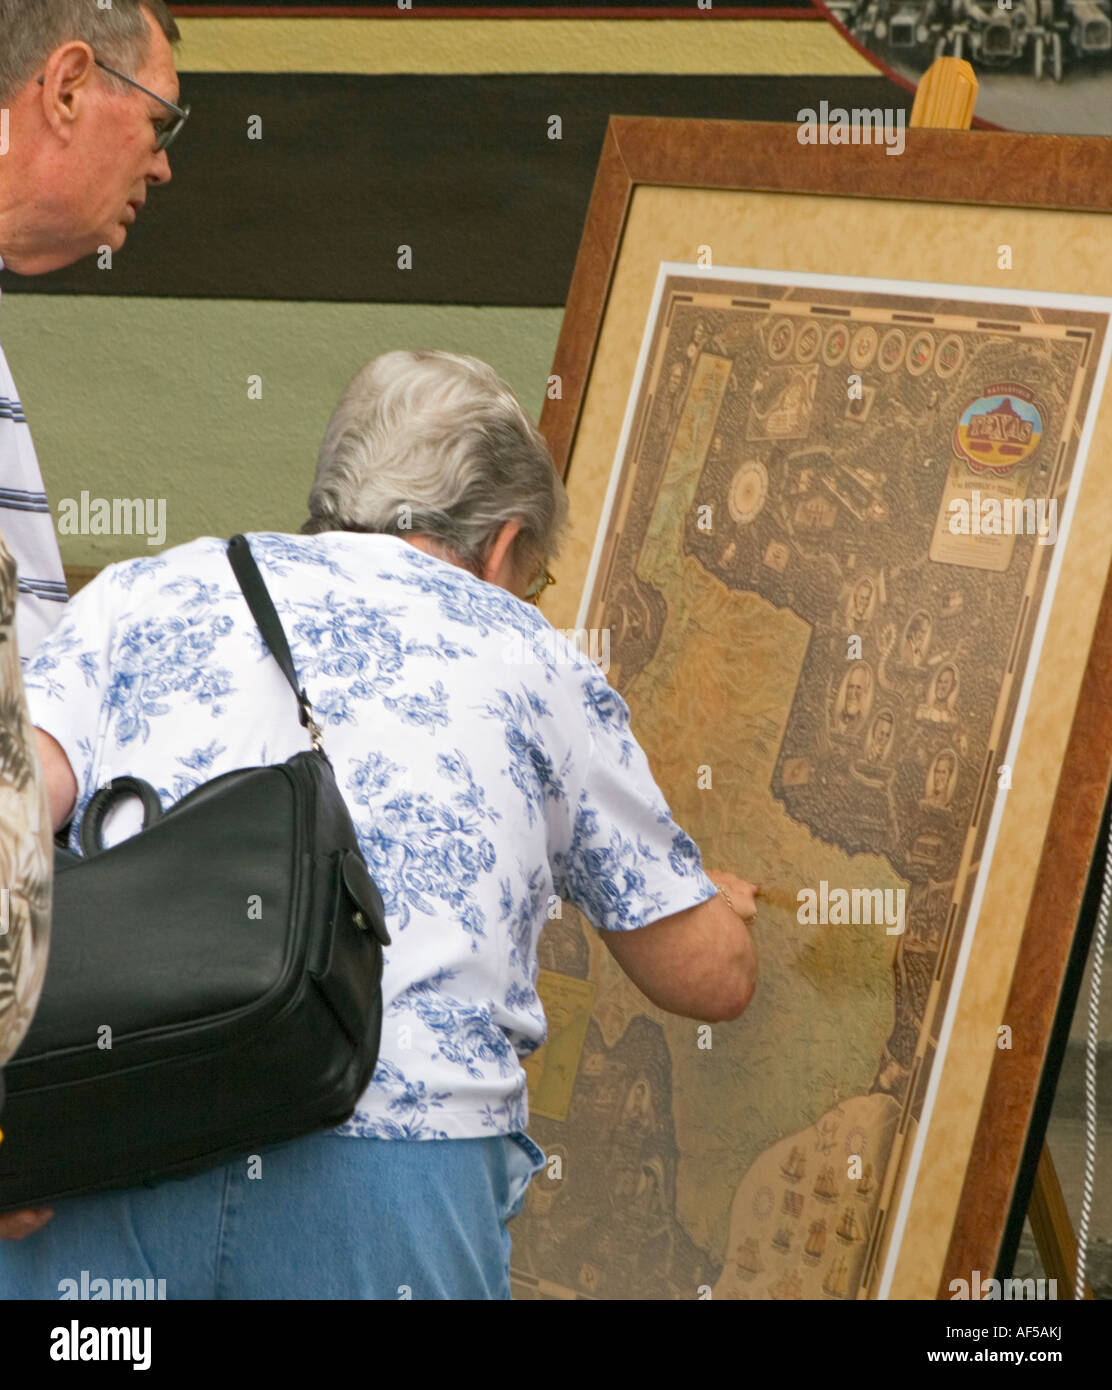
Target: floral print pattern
[481,787]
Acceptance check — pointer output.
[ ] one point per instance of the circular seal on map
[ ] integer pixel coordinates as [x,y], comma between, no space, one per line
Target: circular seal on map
[836,344]
[892,349]
[780,339]
[748,491]
[807,342]
[862,349]
[950,355]
[920,354]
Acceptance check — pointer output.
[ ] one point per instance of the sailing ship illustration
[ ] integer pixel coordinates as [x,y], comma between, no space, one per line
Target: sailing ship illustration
[867,1186]
[836,1282]
[826,1186]
[827,1132]
[748,1258]
[816,1242]
[789,1285]
[783,1240]
[796,1165]
[849,1229]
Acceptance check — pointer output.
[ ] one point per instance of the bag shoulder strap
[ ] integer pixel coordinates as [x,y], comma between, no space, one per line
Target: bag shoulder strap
[262,608]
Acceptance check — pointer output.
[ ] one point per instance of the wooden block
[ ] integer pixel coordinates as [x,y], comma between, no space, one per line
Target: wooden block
[946,96]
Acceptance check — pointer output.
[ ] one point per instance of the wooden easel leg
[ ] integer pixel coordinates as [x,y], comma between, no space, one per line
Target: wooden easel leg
[1053,1229]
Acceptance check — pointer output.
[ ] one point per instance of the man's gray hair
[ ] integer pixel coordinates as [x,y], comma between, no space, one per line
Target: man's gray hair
[30,31]
[434,444]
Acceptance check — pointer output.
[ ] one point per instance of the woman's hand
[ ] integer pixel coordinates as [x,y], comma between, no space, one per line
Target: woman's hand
[14,1225]
[738,892]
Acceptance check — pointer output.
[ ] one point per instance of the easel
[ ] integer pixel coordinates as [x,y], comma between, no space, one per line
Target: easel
[946,96]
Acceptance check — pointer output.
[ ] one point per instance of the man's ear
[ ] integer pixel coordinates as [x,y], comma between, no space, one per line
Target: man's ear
[67,75]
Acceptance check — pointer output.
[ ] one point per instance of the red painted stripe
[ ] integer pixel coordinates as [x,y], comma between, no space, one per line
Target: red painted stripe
[484,12]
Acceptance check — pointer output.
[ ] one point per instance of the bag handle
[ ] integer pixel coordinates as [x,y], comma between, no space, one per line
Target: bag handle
[270,625]
[92,822]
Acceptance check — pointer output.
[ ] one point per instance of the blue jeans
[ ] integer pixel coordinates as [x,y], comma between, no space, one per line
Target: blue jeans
[327,1216]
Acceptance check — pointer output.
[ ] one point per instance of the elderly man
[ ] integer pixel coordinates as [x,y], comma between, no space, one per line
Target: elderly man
[87,108]
[484,785]
[89,97]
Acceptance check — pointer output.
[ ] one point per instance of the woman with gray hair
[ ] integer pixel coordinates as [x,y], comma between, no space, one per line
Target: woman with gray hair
[489,770]
[436,448]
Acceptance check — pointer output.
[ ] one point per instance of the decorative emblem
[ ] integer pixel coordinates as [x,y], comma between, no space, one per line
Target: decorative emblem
[836,344]
[950,356]
[920,354]
[892,349]
[807,342]
[780,339]
[748,491]
[999,429]
[863,347]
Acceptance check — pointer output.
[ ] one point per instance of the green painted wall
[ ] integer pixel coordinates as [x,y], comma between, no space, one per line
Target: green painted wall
[146,398]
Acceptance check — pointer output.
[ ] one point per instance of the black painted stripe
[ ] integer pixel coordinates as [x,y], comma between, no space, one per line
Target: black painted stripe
[351,167]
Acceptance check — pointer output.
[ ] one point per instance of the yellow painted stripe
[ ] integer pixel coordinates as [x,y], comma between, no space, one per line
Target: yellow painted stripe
[676,47]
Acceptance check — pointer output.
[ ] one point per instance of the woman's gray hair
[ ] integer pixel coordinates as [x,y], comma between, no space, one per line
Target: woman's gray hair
[30,31]
[435,444]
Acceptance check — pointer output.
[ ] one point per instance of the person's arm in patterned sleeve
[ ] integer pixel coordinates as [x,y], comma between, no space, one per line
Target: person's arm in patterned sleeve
[26,862]
[26,848]
[65,682]
[639,878]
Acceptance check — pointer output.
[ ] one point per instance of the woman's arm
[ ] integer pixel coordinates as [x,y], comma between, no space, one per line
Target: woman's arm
[700,963]
[61,784]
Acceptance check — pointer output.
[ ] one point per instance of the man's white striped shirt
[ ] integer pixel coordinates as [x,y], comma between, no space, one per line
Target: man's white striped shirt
[27,523]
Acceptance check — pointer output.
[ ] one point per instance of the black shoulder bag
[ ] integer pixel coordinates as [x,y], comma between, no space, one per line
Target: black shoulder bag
[214,982]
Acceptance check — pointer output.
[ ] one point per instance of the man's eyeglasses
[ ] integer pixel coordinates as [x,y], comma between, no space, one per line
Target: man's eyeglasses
[167,131]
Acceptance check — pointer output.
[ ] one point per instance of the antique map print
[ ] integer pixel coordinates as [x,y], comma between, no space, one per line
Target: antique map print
[830,533]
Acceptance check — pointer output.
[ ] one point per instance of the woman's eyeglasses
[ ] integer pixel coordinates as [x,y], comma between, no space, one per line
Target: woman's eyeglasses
[538,586]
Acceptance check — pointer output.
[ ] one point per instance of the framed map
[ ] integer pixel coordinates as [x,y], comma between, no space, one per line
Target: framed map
[838,526]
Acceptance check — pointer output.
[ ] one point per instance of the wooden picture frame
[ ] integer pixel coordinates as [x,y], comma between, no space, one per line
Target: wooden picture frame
[751,195]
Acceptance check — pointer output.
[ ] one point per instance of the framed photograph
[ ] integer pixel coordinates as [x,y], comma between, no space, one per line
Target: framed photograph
[837,433]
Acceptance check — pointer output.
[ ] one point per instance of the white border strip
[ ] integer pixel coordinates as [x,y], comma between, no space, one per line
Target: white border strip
[919,290]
